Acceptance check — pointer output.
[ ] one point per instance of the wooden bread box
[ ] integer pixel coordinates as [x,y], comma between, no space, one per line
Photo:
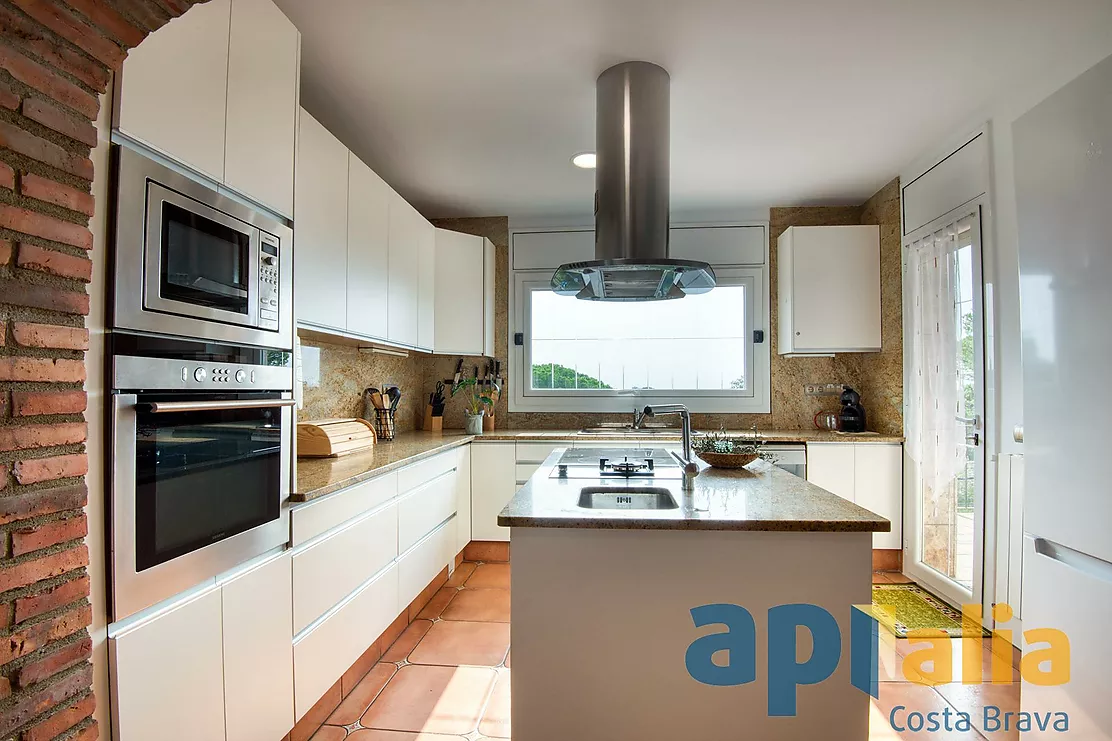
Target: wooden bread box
[329,438]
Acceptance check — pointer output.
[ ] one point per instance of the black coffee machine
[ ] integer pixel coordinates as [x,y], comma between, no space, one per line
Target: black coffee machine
[852,416]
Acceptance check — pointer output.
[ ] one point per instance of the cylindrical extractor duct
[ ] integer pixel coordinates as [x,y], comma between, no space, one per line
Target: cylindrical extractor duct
[632,146]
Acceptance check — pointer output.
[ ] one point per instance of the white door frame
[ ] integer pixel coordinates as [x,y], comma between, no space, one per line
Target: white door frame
[985,506]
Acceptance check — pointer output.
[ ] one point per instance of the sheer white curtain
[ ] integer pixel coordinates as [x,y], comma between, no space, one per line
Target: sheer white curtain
[935,432]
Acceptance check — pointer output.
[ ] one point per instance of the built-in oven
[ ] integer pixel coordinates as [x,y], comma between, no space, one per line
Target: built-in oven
[192,262]
[201,438]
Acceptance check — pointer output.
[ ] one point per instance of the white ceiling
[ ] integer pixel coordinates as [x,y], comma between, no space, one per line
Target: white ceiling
[475,107]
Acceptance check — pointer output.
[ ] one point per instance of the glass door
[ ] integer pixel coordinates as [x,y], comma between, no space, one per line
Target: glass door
[945,407]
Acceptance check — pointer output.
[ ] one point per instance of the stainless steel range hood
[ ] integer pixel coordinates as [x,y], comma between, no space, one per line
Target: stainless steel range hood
[631,197]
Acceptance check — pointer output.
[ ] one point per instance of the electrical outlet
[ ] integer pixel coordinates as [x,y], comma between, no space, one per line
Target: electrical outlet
[823,389]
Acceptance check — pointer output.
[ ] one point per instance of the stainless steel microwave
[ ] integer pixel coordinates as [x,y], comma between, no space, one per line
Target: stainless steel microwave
[194,263]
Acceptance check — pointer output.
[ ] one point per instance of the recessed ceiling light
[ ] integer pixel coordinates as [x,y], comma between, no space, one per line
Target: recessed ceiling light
[586,160]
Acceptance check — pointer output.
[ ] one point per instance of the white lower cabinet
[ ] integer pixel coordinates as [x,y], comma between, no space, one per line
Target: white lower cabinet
[425,508]
[868,474]
[463,501]
[493,484]
[167,674]
[423,562]
[329,569]
[322,654]
[258,657]
[226,649]
[830,466]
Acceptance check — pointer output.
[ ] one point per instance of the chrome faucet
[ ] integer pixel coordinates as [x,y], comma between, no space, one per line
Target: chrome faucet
[690,467]
[638,418]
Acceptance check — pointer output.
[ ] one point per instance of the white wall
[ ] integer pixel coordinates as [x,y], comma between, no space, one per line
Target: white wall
[96,447]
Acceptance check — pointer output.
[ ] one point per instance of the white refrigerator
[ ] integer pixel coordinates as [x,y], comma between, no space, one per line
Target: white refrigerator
[1063,170]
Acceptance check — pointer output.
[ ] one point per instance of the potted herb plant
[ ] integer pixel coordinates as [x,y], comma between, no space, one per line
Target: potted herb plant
[476,400]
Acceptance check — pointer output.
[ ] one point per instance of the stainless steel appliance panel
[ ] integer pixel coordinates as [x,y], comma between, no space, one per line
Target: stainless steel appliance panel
[149,197]
[218,507]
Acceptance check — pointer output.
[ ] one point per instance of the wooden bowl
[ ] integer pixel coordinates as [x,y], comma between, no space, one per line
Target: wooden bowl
[728,460]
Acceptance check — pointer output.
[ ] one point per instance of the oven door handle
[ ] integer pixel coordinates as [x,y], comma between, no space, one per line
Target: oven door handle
[157,407]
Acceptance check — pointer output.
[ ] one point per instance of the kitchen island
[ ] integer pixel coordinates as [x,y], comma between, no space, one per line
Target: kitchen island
[603,598]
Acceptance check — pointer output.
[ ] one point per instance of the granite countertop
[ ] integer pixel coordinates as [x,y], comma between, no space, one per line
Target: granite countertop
[759,497]
[317,477]
[673,433]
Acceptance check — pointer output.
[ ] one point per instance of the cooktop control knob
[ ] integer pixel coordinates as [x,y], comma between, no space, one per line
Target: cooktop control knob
[200,375]
[241,375]
[563,470]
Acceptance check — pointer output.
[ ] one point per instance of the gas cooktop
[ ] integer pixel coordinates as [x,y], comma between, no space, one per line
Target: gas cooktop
[605,463]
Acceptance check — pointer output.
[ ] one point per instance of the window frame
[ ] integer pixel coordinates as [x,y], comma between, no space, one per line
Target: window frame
[754,400]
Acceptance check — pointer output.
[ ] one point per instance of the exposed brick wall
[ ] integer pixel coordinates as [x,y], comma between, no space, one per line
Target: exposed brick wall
[56,57]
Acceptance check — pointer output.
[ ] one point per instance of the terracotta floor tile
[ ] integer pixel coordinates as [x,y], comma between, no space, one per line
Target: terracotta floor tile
[905,646]
[496,717]
[329,733]
[879,577]
[479,605]
[896,577]
[437,604]
[914,698]
[407,640]
[374,735]
[432,699]
[455,643]
[490,576]
[460,575]
[508,653]
[362,695]
[972,699]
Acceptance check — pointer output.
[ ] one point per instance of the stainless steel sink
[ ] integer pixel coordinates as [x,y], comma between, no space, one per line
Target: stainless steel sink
[626,497]
[630,432]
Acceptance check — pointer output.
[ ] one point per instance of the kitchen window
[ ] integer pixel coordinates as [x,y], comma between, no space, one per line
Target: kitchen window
[586,356]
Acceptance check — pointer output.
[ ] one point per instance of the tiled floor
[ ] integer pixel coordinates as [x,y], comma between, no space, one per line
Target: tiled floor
[448,675]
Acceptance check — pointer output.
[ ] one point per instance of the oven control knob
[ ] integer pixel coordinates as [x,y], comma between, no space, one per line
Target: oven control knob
[241,375]
[200,375]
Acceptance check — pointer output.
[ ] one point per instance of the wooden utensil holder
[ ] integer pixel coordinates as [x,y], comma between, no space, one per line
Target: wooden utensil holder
[431,423]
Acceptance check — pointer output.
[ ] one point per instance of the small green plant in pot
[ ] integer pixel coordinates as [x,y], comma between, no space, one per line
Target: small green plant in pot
[723,451]
[477,400]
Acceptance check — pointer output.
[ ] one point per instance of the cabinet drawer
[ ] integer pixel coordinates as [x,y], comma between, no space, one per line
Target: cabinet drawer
[330,569]
[420,511]
[418,567]
[309,520]
[321,656]
[524,471]
[411,477]
[537,452]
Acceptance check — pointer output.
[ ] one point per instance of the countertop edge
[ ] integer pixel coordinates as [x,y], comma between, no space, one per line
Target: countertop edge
[323,491]
[780,526]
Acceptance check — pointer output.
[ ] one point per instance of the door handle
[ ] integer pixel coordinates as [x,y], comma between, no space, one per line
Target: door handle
[159,407]
[1017,433]
[975,438]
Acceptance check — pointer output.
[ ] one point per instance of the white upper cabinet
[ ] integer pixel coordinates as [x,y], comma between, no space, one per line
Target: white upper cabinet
[488,297]
[829,290]
[407,230]
[263,61]
[426,286]
[464,283]
[718,245]
[217,90]
[368,251]
[174,88]
[320,235]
